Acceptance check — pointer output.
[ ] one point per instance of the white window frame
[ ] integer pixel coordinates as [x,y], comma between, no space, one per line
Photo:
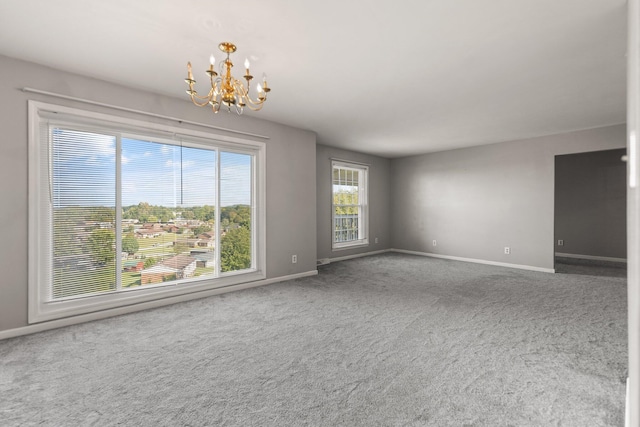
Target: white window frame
[363,197]
[39,239]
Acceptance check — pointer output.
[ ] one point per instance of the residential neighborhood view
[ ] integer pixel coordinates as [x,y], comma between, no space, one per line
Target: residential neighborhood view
[159,244]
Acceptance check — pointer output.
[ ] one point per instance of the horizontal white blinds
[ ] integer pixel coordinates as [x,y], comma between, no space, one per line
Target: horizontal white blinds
[83,202]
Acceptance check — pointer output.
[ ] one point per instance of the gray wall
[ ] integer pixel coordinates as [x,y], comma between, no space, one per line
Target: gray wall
[291,176]
[591,204]
[475,201]
[379,201]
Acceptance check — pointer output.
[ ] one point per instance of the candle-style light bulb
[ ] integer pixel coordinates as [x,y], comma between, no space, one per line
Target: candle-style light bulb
[190,74]
[246,63]
[259,87]
[212,60]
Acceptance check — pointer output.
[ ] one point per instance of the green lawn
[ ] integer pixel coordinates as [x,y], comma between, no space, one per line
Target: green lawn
[203,271]
[130,278]
[157,241]
[70,282]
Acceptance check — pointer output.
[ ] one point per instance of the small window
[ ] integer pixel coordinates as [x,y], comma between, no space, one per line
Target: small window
[350,205]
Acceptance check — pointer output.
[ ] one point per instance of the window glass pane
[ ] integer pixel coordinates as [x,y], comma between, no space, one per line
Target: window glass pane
[168,198]
[345,199]
[197,207]
[348,187]
[345,224]
[83,212]
[236,211]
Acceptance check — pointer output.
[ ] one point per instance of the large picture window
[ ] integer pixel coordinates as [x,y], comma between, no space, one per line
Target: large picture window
[350,208]
[124,213]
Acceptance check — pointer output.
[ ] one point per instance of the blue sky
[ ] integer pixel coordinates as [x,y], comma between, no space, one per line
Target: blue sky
[159,174]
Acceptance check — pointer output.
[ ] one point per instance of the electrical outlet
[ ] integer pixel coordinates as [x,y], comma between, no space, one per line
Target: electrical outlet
[376,240]
[435,243]
[507,250]
[294,259]
[560,242]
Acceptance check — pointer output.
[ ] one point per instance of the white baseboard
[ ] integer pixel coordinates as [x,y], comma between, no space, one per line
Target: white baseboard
[346,257]
[477,261]
[68,321]
[591,257]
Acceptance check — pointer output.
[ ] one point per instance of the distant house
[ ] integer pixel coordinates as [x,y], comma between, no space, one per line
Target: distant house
[171,229]
[157,274]
[185,264]
[152,226]
[132,265]
[191,243]
[177,267]
[205,243]
[147,233]
[204,259]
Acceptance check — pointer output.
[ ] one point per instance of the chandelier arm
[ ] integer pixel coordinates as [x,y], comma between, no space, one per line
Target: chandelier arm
[252,108]
[199,104]
[254,105]
[195,97]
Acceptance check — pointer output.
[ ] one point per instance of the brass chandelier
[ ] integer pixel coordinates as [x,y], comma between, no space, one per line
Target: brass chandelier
[225,89]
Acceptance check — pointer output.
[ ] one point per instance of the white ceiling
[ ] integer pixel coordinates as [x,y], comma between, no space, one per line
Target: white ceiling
[391,78]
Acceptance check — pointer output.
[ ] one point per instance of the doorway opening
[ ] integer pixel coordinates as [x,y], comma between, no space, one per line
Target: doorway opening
[590,213]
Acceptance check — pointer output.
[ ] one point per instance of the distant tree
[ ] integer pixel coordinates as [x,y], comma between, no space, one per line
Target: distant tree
[102,245]
[204,213]
[200,229]
[235,253]
[100,214]
[148,262]
[64,235]
[130,244]
[236,214]
[344,201]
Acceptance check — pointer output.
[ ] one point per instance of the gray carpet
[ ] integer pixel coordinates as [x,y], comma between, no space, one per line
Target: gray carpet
[389,340]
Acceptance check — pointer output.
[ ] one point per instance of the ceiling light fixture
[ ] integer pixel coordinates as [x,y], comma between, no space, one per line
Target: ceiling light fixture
[225,89]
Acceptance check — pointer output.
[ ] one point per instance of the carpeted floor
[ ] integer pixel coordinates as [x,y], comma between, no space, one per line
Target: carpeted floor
[388,340]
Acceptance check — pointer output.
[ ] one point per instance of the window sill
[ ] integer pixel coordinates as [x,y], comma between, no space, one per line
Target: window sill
[354,245]
[45,311]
